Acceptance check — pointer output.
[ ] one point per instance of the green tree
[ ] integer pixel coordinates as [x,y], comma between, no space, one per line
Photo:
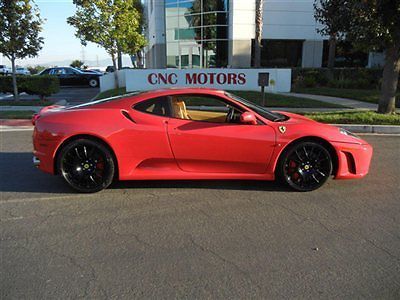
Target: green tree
[115,25]
[20,26]
[330,14]
[35,69]
[374,25]
[77,63]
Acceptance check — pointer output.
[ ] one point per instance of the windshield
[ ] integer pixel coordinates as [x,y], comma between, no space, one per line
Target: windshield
[269,115]
[104,100]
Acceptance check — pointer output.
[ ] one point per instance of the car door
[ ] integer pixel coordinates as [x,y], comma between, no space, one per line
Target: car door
[60,73]
[203,141]
[72,77]
[148,135]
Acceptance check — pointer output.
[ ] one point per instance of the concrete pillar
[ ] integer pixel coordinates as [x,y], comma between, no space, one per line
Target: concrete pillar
[240,54]
[312,54]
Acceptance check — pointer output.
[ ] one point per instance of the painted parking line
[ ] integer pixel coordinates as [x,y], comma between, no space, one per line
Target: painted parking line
[27,200]
[79,196]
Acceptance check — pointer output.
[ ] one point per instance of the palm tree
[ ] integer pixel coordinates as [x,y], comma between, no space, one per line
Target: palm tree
[259,25]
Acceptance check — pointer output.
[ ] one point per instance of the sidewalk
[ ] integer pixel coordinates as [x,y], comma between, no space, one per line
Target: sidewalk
[21,108]
[335,100]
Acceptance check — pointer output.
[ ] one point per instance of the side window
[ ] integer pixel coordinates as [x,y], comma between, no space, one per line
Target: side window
[204,108]
[69,71]
[58,71]
[157,106]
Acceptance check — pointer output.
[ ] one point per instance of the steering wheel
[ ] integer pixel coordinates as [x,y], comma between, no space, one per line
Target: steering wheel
[231,115]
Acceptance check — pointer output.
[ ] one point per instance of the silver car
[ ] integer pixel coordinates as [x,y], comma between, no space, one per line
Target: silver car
[22,71]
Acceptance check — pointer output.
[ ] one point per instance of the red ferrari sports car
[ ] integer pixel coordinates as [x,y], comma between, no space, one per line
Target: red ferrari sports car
[191,134]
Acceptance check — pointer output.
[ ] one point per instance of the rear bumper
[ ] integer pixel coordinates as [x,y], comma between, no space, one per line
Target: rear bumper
[36,161]
[44,147]
[353,160]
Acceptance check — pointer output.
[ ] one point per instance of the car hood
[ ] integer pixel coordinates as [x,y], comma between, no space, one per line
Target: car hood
[294,118]
[306,126]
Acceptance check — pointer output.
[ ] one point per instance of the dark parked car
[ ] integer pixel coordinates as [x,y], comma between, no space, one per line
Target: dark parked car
[73,76]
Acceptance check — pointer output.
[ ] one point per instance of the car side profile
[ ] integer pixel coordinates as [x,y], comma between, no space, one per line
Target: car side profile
[22,71]
[73,76]
[195,134]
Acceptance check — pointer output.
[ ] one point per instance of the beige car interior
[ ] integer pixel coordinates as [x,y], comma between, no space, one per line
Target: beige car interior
[180,111]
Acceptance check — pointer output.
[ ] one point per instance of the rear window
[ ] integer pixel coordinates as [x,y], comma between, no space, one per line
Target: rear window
[157,106]
[44,72]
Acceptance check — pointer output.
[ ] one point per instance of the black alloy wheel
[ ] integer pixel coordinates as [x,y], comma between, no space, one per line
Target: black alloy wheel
[86,165]
[305,166]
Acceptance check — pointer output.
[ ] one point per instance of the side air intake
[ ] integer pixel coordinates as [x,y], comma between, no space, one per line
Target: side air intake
[127,115]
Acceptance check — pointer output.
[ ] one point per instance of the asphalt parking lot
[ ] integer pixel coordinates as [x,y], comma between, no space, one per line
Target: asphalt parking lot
[72,94]
[75,95]
[222,239]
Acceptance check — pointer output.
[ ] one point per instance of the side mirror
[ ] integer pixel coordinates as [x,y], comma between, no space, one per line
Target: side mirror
[248,118]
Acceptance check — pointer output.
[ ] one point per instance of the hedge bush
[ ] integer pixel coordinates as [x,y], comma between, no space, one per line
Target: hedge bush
[355,78]
[43,85]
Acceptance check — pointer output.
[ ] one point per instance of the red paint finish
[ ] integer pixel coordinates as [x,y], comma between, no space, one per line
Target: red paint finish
[221,148]
[148,146]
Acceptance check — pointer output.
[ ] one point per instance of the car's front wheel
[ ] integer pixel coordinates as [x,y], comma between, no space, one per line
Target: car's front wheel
[93,82]
[86,165]
[305,166]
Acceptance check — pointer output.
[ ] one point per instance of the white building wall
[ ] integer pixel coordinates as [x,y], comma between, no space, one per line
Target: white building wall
[292,19]
[284,20]
[241,32]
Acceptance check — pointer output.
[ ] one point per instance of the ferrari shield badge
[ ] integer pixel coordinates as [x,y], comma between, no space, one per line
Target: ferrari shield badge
[282,129]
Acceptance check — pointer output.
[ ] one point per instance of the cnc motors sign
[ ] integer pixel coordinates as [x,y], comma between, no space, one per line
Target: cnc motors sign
[201,78]
[226,79]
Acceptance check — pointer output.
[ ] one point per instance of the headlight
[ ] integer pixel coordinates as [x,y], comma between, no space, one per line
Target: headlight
[346,132]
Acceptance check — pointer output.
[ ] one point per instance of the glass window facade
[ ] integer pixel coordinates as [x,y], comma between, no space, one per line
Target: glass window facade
[197,33]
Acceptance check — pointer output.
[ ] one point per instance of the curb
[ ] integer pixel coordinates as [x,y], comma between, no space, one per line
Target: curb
[360,128]
[16,123]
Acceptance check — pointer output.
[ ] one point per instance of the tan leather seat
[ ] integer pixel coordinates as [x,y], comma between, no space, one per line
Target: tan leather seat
[179,109]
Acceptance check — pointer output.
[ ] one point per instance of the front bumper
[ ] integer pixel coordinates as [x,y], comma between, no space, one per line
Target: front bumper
[353,160]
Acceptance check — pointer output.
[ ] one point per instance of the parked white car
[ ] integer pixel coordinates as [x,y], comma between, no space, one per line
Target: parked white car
[22,71]
[4,70]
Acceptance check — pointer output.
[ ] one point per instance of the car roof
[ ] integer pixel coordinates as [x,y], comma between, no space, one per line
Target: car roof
[135,97]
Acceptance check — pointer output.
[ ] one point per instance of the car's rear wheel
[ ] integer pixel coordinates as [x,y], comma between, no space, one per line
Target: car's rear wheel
[86,165]
[93,82]
[305,166]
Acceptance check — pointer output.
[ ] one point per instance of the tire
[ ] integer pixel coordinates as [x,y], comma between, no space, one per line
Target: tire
[305,166]
[86,165]
[93,82]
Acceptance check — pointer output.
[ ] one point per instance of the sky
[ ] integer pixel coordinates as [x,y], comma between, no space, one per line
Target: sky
[60,43]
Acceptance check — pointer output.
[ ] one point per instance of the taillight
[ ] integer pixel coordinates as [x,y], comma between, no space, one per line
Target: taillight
[35,117]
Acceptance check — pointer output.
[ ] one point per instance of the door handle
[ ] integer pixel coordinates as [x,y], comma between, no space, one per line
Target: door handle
[177,132]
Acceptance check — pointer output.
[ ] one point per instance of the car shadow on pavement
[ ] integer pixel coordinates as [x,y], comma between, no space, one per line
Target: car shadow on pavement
[243,185]
[17,174]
